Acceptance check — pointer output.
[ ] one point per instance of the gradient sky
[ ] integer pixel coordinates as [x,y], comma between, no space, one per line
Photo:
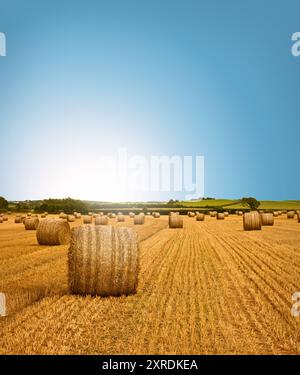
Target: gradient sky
[211,78]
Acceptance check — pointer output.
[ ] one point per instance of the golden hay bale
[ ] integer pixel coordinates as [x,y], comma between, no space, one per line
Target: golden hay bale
[71,218]
[131,215]
[77,215]
[53,232]
[29,214]
[120,218]
[1,220]
[226,214]
[191,214]
[90,214]
[31,223]
[113,216]
[120,213]
[275,213]
[62,215]
[200,217]
[252,221]
[103,261]
[213,213]
[4,218]
[267,219]
[18,220]
[139,219]
[290,214]
[87,219]
[220,216]
[149,213]
[240,213]
[156,215]
[101,220]
[175,221]
[3,311]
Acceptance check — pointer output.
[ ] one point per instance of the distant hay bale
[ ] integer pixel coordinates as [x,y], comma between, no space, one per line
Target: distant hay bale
[29,214]
[103,260]
[200,217]
[290,214]
[113,216]
[131,215]
[101,220]
[71,218]
[156,215]
[275,213]
[31,223]
[252,221]
[5,218]
[175,221]
[220,216]
[240,213]
[139,219]
[90,214]
[213,213]
[62,215]
[53,232]
[267,219]
[226,214]
[120,218]
[18,220]
[77,215]
[191,214]
[87,219]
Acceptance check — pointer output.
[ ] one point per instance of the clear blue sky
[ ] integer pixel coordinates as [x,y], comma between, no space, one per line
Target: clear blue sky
[212,78]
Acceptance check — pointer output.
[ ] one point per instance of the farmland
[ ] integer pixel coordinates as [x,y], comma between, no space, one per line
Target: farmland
[208,288]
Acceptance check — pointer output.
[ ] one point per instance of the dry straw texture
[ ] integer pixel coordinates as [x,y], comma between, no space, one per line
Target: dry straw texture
[220,216]
[103,261]
[120,218]
[71,218]
[175,221]
[4,218]
[53,232]
[131,214]
[291,214]
[267,219]
[275,213]
[101,220]
[191,214]
[200,217]
[31,223]
[139,219]
[87,219]
[213,214]
[226,214]
[18,219]
[2,304]
[1,220]
[252,221]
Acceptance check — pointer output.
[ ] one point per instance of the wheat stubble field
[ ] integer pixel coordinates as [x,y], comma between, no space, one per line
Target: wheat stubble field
[208,288]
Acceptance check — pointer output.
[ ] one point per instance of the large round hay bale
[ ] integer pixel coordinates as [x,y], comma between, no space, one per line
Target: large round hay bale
[220,216]
[101,220]
[139,219]
[71,218]
[200,217]
[87,219]
[252,221]
[18,220]
[298,217]
[31,223]
[103,261]
[53,232]
[290,214]
[175,221]
[267,219]
[120,218]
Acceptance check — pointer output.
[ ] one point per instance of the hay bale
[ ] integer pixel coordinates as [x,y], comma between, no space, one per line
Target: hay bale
[2,304]
[120,213]
[4,218]
[156,215]
[226,214]
[90,214]
[53,232]
[113,216]
[62,215]
[275,213]
[149,213]
[18,220]
[290,214]
[87,219]
[103,261]
[298,217]
[131,215]
[175,221]
[1,220]
[120,218]
[267,219]
[71,218]
[200,217]
[139,219]
[101,220]
[77,215]
[29,214]
[220,216]
[213,213]
[240,213]
[191,214]
[252,221]
[31,223]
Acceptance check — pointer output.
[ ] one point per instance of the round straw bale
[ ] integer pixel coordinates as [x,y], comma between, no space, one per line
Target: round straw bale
[267,219]
[71,218]
[5,218]
[213,213]
[31,223]
[240,213]
[101,220]
[191,214]
[220,216]
[298,217]
[139,219]
[226,214]
[103,260]
[77,215]
[18,220]
[87,219]
[120,218]
[62,215]
[156,215]
[113,216]
[175,221]
[53,232]
[200,217]
[252,221]
[275,213]
[290,214]
[131,215]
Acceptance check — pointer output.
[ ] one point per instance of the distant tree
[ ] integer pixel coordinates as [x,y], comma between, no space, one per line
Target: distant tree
[251,202]
[67,205]
[3,204]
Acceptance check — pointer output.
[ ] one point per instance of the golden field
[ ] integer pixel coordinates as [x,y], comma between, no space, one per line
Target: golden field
[209,288]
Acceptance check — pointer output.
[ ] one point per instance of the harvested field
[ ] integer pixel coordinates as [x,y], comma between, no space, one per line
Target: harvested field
[207,288]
